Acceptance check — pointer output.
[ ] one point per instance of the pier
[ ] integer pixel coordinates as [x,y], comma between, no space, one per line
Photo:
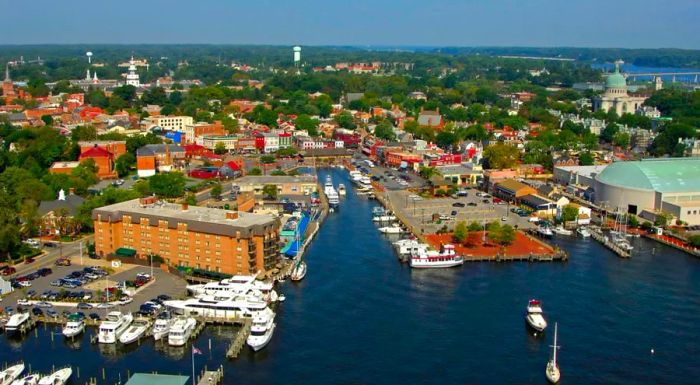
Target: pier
[600,237]
[239,341]
[211,377]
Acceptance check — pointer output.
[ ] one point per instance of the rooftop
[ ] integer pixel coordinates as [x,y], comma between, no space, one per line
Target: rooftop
[157,379]
[587,171]
[274,179]
[668,175]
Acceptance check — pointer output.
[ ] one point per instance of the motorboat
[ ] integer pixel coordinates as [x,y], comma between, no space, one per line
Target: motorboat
[181,330]
[393,229]
[261,330]
[534,315]
[161,327]
[409,246]
[384,218]
[341,189]
[31,379]
[16,324]
[58,377]
[355,176]
[10,374]
[431,259]
[582,231]
[560,230]
[299,271]
[114,325]
[74,326]
[236,285]
[378,211]
[552,372]
[224,306]
[545,232]
[135,331]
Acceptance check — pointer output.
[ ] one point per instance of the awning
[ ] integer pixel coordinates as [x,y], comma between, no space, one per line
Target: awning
[125,252]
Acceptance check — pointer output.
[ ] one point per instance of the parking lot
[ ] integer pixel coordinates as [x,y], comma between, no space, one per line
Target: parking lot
[390,178]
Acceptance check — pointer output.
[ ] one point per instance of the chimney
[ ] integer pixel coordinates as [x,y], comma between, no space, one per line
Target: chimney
[231,215]
[185,206]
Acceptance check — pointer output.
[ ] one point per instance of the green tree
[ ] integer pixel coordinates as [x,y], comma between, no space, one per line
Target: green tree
[507,235]
[384,130]
[83,133]
[609,132]
[501,156]
[220,148]
[621,139]
[124,163]
[47,119]
[461,232]
[255,171]
[475,226]
[694,240]
[661,220]
[37,88]
[305,122]
[585,159]
[216,190]
[427,172]
[345,120]
[569,213]
[270,190]
[267,159]
[167,185]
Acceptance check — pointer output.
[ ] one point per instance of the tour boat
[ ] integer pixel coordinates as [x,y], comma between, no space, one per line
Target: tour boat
[426,259]
[31,379]
[545,232]
[16,323]
[161,328]
[582,231]
[393,229]
[58,377]
[74,326]
[534,316]
[562,231]
[552,371]
[409,246]
[10,374]
[113,327]
[341,189]
[219,306]
[181,330]
[261,330]
[299,271]
[137,329]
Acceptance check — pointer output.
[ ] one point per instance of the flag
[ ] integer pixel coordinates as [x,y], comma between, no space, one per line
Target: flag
[196,351]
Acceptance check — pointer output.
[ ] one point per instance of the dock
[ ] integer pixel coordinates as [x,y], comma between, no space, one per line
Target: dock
[605,241]
[239,341]
[211,377]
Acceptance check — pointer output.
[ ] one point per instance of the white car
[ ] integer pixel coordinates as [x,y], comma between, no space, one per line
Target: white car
[125,300]
[533,219]
[105,305]
[504,219]
[25,283]
[23,302]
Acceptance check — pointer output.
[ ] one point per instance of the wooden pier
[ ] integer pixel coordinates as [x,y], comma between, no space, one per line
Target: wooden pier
[211,377]
[600,237]
[239,341]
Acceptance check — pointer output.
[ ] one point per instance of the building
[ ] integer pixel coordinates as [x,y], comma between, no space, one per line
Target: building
[210,239]
[210,142]
[286,184]
[194,132]
[652,185]
[104,160]
[63,167]
[616,97]
[431,119]
[541,206]
[8,88]
[158,157]
[512,190]
[462,174]
[577,175]
[132,77]
[56,215]
[171,123]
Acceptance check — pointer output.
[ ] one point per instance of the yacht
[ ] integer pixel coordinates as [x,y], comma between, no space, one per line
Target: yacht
[366,181]
[534,316]
[545,232]
[426,259]
[341,189]
[31,379]
[384,218]
[74,326]
[137,329]
[161,328]
[560,230]
[261,330]
[409,246]
[378,211]
[236,285]
[181,330]
[299,271]
[582,231]
[113,327]
[220,306]
[16,323]
[552,372]
[58,377]
[10,374]
[355,176]
[393,229]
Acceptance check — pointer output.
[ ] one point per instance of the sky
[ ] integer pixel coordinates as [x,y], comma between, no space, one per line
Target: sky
[533,23]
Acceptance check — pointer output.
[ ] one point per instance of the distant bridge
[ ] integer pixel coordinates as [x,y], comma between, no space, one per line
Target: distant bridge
[692,77]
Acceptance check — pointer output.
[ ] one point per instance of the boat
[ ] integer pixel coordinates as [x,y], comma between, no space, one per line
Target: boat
[299,271]
[31,379]
[409,246]
[384,218]
[393,229]
[135,331]
[236,285]
[181,330]
[10,374]
[220,306]
[161,327]
[430,259]
[261,330]
[341,189]
[534,316]
[552,372]
[16,323]
[58,377]
[113,327]
[74,326]
[378,211]
[282,298]
[545,232]
[355,176]
[582,231]
[366,181]
[560,230]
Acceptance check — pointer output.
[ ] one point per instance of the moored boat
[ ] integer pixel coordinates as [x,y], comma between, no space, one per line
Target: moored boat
[113,327]
[17,323]
[181,331]
[261,330]
[74,326]
[552,372]
[560,230]
[393,229]
[534,316]
[582,231]
[135,331]
[431,259]
[31,379]
[545,232]
[341,189]
[58,377]
[161,327]
[10,374]
[299,271]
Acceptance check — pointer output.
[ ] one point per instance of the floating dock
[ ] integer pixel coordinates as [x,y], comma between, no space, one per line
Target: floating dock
[605,241]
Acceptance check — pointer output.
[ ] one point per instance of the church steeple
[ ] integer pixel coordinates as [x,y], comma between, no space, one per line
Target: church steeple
[7,72]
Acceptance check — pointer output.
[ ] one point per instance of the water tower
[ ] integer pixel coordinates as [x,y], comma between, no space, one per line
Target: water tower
[297,55]
[89,56]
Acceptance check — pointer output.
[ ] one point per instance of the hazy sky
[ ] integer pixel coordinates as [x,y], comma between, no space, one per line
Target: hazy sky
[598,23]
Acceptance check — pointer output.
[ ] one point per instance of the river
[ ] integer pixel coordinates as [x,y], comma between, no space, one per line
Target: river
[361,317]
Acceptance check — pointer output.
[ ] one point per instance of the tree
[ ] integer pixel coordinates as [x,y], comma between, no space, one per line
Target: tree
[385,130]
[168,109]
[83,133]
[585,159]
[270,191]
[305,122]
[507,235]
[267,159]
[47,119]
[694,240]
[475,226]
[345,120]
[124,163]
[609,132]
[501,156]
[167,185]
[661,220]
[445,139]
[216,190]
[37,88]
[621,139]
[569,213]
[255,171]
[461,232]
[427,172]
[220,148]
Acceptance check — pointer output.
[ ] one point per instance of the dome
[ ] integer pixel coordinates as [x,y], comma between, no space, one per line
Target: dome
[666,175]
[615,80]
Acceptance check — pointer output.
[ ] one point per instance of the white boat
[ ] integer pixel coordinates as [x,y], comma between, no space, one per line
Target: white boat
[552,372]
[236,285]
[58,377]
[393,229]
[331,193]
[161,327]
[431,259]
[341,189]
[355,176]
[74,326]
[10,374]
[16,323]
[377,211]
[561,230]
[545,232]
[31,379]
[299,271]
[365,180]
[409,246]
[181,330]
[384,218]
[135,331]
[221,306]
[113,327]
[582,231]
[261,330]
[534,316]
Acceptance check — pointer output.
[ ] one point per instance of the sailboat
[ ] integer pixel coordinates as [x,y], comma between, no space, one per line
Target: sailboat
[552,371]
[299,271]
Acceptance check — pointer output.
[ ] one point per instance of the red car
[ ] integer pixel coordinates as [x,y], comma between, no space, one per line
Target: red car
[9,270]
[29,260]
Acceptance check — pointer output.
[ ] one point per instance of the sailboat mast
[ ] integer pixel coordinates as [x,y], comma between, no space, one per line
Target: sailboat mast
[554,347]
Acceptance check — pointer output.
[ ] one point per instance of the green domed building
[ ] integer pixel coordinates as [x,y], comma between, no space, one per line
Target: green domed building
[615,96]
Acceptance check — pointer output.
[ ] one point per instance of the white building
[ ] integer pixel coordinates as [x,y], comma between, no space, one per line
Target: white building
[272,142]
[210,141]
[616,97]
[172,123]
[132,78]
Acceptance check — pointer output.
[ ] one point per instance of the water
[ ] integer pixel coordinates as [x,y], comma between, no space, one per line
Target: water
[361,317]
[632,69]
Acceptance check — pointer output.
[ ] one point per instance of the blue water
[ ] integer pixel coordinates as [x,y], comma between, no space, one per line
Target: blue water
[361,317]
[631,69]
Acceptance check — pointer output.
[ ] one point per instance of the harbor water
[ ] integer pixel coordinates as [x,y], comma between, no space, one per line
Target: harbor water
[361,317]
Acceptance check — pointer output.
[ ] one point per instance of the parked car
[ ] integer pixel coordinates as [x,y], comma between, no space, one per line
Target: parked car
[29,260]
[164,297]
[25,283]
[94,316]
[44,271]
[43,304]
[105,305]
[63,262]
[52,313]
[458,204]
[57,282]
[37,311]
[84,305]
[23,302]
[9,270]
